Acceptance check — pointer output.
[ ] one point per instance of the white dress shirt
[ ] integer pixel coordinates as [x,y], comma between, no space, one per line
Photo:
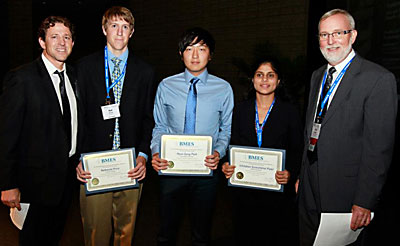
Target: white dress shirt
[71,98]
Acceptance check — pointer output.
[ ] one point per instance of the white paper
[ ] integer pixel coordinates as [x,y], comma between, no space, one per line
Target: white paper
[18,217]
[334,230]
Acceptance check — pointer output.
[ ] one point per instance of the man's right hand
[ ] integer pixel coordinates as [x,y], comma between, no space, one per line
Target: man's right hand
[158,164]
[82,175]
[11,198]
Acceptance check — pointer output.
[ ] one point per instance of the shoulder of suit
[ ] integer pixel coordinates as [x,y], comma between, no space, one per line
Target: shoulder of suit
[88,59]
[245,105]
[371,67]
[25,70]
[25,74]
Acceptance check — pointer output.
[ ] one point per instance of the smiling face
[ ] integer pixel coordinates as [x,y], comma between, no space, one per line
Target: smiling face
[265,80]
[118,32]
[57,45]
[335,50]
[196,57]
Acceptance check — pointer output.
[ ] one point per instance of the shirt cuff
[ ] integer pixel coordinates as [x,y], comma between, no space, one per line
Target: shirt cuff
[143,154]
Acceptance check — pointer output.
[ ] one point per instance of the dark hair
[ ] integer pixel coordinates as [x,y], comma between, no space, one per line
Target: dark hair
[51,21]
[196,35]
[275,65]
[280,90]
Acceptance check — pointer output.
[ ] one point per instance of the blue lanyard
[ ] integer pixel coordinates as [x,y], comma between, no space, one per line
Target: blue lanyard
[108,87]
[328,94]
[258,128]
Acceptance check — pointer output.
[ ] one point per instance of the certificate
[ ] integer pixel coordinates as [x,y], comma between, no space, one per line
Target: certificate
[186,154]
[109,170]
[256,167]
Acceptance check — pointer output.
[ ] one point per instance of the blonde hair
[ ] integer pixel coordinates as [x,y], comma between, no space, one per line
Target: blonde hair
[118,12]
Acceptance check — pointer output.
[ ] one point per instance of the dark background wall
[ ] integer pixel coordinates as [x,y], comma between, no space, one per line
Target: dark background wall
[242,29]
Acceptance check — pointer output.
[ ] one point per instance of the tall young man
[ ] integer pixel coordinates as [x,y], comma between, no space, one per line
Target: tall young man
[133,95]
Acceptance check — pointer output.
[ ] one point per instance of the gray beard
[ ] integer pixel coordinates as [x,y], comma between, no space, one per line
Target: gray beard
[338,58]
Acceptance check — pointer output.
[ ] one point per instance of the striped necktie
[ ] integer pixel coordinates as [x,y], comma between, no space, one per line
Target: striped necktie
[117,90]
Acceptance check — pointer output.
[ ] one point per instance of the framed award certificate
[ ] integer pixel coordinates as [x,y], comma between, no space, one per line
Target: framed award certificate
[256,167]
[186,154]
[109,170]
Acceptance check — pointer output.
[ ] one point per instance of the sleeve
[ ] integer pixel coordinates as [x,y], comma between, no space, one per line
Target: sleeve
[160,120]
[12,103]
[148,121]
[295,145]
[81,87]
[225,124]
[380,111]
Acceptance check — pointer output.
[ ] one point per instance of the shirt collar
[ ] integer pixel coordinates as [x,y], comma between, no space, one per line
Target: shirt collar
[50,67]
[123,57]
[339,67]
[203,76]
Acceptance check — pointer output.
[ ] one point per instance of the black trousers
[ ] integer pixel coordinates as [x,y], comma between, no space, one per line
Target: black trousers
[263,217]
[200,193]
[44,225]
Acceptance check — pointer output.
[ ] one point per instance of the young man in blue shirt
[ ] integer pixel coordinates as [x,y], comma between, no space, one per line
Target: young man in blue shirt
[213,117]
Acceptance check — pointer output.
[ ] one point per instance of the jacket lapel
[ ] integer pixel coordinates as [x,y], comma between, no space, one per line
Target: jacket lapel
[48,88]
[313,98]
[344,88]
[130,76]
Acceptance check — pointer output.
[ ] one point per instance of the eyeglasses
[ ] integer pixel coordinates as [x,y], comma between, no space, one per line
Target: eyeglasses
[335,35]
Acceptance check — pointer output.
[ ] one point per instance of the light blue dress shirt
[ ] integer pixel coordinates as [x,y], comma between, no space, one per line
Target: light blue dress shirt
[213,112]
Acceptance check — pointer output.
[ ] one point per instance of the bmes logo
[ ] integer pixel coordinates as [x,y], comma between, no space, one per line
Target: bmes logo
[111,159]
[186,144]
[255,157]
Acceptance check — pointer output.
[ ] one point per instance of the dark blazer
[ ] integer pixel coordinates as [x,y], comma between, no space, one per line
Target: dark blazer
[136,105]
[283,130]
[356,141]
[34,154]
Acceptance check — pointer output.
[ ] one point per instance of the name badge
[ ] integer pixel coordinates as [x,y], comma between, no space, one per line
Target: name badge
[315,131]
[110,111]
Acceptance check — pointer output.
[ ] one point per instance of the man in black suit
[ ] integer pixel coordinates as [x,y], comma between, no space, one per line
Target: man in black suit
[133,96]
[38,135]
[350,128]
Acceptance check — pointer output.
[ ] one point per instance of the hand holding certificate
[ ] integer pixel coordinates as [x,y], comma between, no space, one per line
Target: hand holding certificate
[186,154]
[256,167]
[109,170]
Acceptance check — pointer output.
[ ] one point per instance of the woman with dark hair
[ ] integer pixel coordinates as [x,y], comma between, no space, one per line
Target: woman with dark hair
[265,120]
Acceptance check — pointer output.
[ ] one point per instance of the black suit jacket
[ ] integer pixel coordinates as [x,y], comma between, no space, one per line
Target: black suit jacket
[283,130]
[356,141]
[34,154]
[136,104]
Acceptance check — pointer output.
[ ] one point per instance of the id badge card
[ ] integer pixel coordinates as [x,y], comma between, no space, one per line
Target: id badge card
[110,111]
[315,131]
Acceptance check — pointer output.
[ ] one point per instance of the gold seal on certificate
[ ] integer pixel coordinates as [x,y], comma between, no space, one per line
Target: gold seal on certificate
[186,154]
[256,167]
[109,170]
[239,175]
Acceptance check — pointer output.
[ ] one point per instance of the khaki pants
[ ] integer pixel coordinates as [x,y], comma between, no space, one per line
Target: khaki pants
[101,210]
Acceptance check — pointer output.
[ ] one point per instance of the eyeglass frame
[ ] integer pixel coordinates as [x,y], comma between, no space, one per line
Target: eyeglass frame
[333,34]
